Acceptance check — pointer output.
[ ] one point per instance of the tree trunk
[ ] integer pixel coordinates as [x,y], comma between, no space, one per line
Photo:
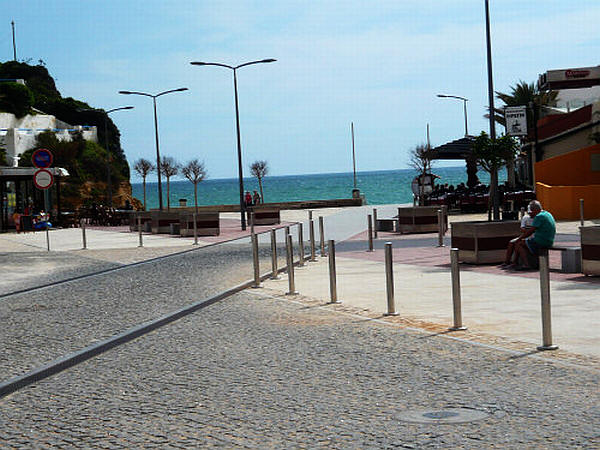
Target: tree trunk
[196,196]
[144,183]
[262,197]
[472,179]
[494,193]
[510,173]
[168,195]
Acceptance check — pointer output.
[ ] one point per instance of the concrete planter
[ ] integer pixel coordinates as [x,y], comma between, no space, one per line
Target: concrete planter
[420,219]
[266,216]
[590,250]
[133,220]
[483,242]
[207,224]
[162,220]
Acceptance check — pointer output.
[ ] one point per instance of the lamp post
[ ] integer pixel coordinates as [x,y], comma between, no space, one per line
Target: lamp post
[237,122]
[464,100]
[108,169]
[154,97]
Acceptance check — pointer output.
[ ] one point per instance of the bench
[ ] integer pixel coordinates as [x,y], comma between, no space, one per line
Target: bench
[590,250]
[145,220]
[570,258]
[207,224]
[265,216]
[386,225]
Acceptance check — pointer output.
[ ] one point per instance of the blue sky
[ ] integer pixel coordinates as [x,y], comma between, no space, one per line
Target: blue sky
[377,63]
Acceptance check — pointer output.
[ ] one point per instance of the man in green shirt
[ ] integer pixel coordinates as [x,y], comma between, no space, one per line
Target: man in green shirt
[539,236]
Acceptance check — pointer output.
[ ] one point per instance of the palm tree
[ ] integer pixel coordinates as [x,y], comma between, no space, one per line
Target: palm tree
[195,172]
[143,167]
[169,168]
[260,169]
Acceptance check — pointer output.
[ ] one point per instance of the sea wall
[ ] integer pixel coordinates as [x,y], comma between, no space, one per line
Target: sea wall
[307,204]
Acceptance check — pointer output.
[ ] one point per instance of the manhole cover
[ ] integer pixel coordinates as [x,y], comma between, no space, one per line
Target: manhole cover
[442,415]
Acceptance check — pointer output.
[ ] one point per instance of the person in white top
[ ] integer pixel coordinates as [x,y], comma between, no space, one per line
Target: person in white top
[526,222]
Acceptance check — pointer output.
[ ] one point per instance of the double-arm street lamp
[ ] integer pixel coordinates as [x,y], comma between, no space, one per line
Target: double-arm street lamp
[108,169]
[465,100]
[154,97]
[237,122]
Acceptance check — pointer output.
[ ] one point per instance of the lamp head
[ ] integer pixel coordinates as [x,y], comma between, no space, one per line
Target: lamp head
[125,92]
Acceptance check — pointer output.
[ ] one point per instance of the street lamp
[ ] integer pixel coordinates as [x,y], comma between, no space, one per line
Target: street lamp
[237,122]
[160,200]
[465,100]
[108,169]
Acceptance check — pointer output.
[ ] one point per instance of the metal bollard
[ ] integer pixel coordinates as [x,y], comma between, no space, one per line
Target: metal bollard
[274,274]
[581,216]
[310,215]
[389,281]
[370,232]
[322,236]
[290,265]
[287,231]
[313,256]
[194,218]
[375,222]
[456,298]
[332,273]
[301,243]
[83,237]
[254,239]
[440,217]
[139,223]
[545,294]
[251,220]
[47,238]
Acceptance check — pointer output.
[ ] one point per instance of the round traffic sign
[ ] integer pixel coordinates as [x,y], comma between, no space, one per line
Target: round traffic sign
[42,158]
[43,179]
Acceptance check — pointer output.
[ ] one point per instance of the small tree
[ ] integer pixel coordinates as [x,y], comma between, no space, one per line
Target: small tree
[420,160]
[169,168]
[260,169]
[491,155]
[143,167]
[195,172]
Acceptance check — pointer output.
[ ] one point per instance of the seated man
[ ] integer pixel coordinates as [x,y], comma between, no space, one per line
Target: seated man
[539,236]
[526,222]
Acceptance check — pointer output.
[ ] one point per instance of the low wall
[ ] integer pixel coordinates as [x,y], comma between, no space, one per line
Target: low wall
[307,204]
[563,201]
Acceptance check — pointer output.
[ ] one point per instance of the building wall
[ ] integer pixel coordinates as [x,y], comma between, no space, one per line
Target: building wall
[19,135]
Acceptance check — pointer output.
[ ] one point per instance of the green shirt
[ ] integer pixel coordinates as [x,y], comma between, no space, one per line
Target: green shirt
[545,229]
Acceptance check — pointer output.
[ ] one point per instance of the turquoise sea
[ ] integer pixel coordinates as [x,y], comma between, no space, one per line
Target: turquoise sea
[379,187]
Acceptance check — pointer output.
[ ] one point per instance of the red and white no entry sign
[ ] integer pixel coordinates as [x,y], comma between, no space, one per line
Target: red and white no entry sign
[43,179]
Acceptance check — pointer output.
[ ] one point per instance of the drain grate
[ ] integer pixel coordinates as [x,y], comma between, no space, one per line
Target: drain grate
[442,415]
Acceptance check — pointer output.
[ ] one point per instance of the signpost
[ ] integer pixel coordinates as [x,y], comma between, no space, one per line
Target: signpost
[42,158]
[516,120]
[43,178]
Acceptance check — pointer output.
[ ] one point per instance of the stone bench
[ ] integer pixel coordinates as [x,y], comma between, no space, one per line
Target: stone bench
[207,224]
[483,242]
[420,219]
[570,258]
[145,219]
[161,221]
[590,250]
[265,216]
[386,225]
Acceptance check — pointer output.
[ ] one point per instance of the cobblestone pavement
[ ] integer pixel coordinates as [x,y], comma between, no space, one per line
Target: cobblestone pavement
[45,324]
[259,372]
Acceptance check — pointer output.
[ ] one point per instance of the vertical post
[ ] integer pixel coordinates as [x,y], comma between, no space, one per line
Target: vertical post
[370,231]
[300,243]
[290,265]
[545,294]
[254,239]
[195,219]
[251,218]
[274,275]
[581,216]
[83,234]
[287,231]
[440,217]
[322,236]
[139,226]
[310,213]
[456,296]
[332,273]
[313,256]
[389,281]
[47,238]
[375,223]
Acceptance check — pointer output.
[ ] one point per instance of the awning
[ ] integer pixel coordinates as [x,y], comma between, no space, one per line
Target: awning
[458,149]
[27,172]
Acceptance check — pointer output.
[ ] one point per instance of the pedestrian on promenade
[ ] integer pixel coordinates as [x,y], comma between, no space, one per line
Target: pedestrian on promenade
[539,236]
[256,198]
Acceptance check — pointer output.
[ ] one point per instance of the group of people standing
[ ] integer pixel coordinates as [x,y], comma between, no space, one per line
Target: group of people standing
[251,200]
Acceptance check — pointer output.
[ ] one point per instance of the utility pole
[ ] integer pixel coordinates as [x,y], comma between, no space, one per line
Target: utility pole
[12,22]
[353,154]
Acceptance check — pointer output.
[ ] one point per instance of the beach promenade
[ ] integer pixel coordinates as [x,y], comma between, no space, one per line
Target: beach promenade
[265,369]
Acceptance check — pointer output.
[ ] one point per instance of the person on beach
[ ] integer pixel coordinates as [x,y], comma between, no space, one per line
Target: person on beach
[526,222]
[539,236]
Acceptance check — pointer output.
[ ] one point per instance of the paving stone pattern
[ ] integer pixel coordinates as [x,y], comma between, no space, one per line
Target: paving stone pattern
[256,372]
[43,325]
